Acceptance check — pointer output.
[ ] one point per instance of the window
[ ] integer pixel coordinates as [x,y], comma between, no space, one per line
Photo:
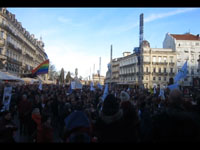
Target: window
[154,58]
[165,70]
[154,70]
[192,71]
[154,78]
[171,59]
[2,34]
[159,70]
[159,78]
[197,44]
[171,70]
[146,58]
[146,77]
[165,78]
[1,49]
[165,59]
[146,69]
[159,59]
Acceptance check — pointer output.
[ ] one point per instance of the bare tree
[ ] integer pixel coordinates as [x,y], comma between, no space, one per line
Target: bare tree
[52,72]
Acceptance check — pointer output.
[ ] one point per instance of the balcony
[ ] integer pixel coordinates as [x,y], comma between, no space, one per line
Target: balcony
[162,63]
[146,63]
[11,60]
[146,73]
[171,73]
[2,42]
[171,63]
[14,48]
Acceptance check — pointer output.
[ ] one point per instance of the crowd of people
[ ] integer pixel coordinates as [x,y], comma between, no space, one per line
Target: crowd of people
[125,115]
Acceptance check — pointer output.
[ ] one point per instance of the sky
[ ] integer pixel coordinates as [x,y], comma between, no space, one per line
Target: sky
[77,37]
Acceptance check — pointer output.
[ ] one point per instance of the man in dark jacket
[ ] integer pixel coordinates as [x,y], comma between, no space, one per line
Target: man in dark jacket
[7,128]
[112,126]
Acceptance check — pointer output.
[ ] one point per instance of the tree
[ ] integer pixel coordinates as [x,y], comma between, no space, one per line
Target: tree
[52,72]
[80,78]
[62,74]
[68,77]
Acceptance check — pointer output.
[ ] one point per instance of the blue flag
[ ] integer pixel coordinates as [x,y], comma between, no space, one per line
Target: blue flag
[173,86]
[109,67]
[99,86]
[91,87]
[162,94]
[70,89]
[182,73]
[105,93]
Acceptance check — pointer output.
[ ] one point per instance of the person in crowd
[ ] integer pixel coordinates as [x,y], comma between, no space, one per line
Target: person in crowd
[78,128]
[24,109]
[7,128]
[110,126]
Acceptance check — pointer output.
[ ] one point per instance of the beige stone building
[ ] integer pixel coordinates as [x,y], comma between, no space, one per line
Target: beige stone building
[151,67]
[97,79]
[20,51]
[129,69]
[115,70]
[158,66]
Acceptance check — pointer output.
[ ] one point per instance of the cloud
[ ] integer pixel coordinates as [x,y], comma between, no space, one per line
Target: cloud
[64,19]
[153,17]
[129,26]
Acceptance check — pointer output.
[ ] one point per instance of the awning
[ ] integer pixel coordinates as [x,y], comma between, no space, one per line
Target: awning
[5,76]
[30,80]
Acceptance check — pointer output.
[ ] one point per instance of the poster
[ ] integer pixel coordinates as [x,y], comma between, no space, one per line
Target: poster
[6,98]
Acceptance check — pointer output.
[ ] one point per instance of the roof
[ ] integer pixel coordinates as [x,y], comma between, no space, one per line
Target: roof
[187,36]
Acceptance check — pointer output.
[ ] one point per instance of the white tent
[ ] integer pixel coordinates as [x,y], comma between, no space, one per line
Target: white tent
[4,76]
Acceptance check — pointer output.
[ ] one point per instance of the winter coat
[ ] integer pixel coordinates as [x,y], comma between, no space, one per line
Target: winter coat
[44,132]
[24,109]
[6,133]
[116,130]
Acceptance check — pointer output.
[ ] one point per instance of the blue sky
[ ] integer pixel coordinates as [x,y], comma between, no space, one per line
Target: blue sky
[77,37]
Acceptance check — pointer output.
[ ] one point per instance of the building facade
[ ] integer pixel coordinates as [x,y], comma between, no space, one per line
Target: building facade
[20,51]
[98,79]
[187,47]
[129,69]
[148,68]
[157,66]
[115,70]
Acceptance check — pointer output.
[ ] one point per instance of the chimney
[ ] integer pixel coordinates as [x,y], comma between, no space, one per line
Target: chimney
[197,36]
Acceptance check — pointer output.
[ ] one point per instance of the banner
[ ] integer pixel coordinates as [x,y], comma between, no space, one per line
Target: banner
[73,85]
[6,98]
